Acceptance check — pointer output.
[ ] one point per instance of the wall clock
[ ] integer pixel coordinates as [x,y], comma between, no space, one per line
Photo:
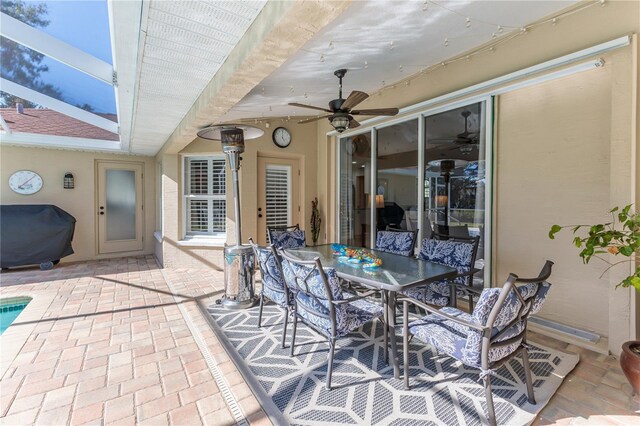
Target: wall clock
[281,137]
[25,182]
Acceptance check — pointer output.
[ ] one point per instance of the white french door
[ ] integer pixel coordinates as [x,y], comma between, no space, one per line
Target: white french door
[278,194]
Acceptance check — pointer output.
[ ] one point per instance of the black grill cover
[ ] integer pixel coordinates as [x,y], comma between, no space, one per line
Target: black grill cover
[34,233]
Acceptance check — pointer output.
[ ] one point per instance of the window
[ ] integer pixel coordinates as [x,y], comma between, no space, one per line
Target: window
[205,196]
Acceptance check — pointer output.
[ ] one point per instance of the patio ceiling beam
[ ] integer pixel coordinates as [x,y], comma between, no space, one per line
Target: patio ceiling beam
[280,30]
[125,22]
[52,47]
[66,142]
[57,105]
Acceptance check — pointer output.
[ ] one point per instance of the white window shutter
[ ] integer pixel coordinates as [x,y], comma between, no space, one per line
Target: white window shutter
[278,196]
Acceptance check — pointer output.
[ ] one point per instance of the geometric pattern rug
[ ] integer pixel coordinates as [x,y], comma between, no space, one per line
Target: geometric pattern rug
[443,391]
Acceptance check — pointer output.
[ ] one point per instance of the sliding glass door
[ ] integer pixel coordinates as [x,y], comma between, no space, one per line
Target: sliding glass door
[354,214]
[396,189]
[426,173]
[455,173]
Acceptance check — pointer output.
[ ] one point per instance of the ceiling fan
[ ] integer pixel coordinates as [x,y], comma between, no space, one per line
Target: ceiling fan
[341,110]
[465,137]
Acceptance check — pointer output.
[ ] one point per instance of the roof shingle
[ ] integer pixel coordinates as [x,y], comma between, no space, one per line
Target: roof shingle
[50,122]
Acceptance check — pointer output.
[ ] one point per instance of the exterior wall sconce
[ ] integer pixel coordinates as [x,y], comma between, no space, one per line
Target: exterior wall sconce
[69,182]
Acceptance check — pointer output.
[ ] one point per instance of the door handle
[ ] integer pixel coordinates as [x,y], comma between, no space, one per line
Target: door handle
[101,212]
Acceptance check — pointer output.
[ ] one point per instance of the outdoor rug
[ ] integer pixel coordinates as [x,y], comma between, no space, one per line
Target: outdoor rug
[443,391]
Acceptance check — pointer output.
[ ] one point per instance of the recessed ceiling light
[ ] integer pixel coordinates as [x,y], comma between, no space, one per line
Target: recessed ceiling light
[354,162]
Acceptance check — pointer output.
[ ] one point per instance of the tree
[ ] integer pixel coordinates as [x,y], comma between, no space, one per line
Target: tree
[19,63]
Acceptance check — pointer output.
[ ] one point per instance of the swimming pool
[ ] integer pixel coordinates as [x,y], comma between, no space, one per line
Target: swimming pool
[10,309]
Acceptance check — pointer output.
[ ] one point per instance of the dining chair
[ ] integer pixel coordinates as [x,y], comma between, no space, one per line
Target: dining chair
[470,289]
[321,303]
[458,253]
[491,335]
[286,237]
[396,241]
[274,286]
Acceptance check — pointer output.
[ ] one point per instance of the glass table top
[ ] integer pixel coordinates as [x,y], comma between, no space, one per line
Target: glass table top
[396,273]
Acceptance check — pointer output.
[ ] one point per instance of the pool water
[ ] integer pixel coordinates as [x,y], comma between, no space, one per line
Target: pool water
[10,309]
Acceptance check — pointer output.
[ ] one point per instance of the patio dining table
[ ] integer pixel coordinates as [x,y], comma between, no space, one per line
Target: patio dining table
[397,273]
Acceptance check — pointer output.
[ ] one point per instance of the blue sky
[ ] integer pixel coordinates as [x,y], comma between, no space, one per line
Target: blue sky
[85,25]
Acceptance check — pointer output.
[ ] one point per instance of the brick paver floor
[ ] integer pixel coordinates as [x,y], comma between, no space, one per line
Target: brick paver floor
[114,346]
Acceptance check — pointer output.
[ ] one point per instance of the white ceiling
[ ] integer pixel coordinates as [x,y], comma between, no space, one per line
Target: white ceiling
[185,43]
[385,35]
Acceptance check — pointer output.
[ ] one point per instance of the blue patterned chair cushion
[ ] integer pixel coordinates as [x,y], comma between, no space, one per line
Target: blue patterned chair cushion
[287,239]
[508,312]
[425,293]
[453,339]
[456,254]
[349,316]
[272,280]
[395,242]
[358,313]
[446,336]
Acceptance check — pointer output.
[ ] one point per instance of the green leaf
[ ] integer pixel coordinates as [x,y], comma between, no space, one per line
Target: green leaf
[613,210]
[554,230]
[626,251]
[635,282]
[577,241]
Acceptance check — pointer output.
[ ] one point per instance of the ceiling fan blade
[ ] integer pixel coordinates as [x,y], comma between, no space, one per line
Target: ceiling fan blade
[376,111]
[309,106]
[354,99]
[353,123]
[309,120]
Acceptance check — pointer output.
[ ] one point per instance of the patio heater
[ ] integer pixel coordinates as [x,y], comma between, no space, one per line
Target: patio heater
[446,168]
[239,259]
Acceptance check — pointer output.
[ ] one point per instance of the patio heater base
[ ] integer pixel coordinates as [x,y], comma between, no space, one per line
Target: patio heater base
[239,286]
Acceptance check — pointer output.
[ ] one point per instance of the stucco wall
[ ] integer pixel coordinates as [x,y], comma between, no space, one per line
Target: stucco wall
[553,166]
[303,147]
[80,202]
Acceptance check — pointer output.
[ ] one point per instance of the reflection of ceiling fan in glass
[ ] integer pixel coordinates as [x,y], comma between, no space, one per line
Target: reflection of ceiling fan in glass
[464,138]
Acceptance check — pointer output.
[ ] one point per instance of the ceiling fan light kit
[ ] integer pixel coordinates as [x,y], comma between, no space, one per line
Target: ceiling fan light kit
[339,122]
[340,112]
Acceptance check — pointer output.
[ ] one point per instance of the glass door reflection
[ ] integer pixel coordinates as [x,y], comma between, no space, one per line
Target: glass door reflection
[355,183]
[455,181]
[397,183]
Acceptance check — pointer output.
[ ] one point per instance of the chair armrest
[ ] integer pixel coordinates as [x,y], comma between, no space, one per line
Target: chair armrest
[442,314]
[352,299]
